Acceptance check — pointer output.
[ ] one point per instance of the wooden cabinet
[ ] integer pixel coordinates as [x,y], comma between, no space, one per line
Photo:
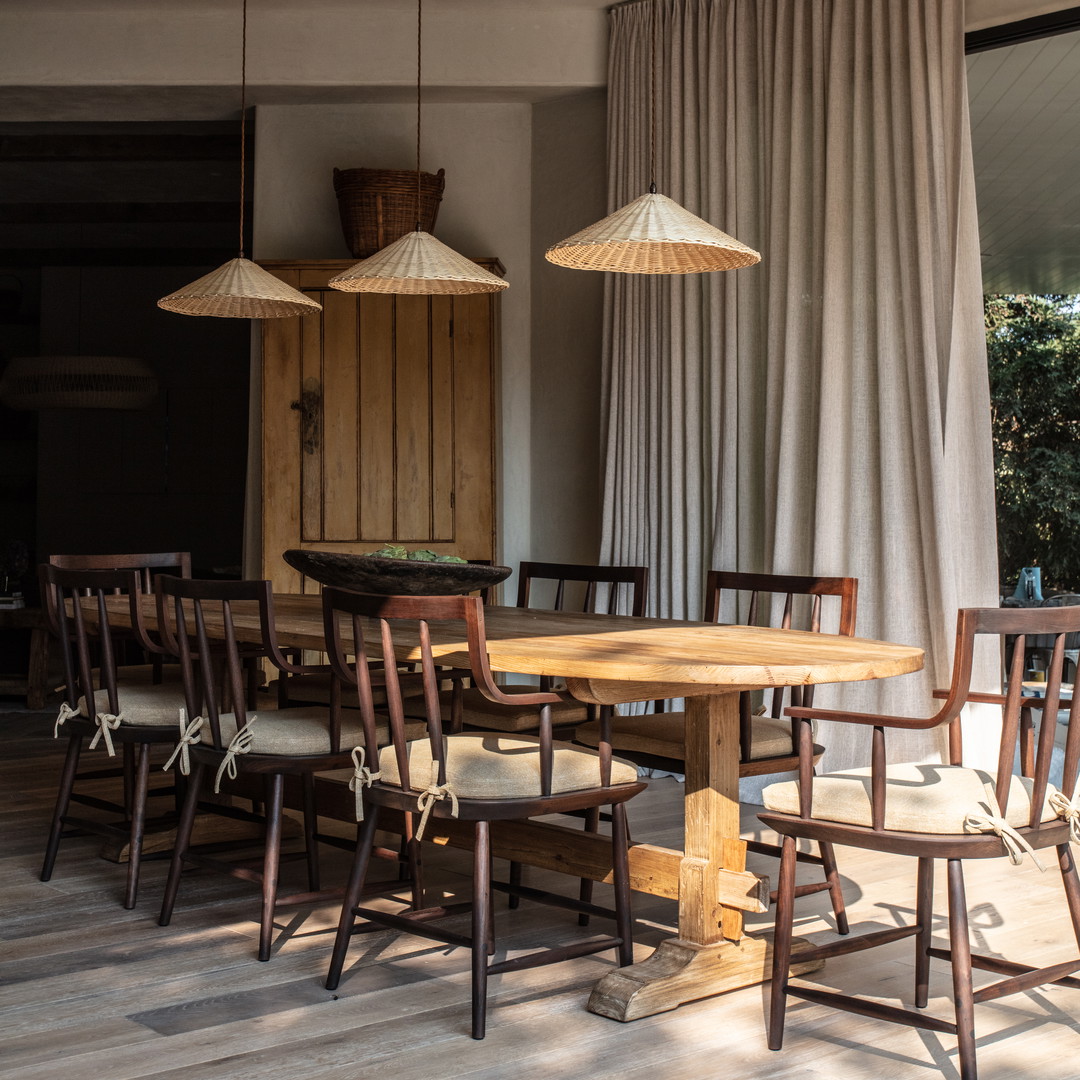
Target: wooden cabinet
[378,423]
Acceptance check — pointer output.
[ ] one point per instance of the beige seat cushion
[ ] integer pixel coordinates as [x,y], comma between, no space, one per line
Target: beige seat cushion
[918,798]
[478,711]
[303,731]
[663,735]
[142,702]
[493,766]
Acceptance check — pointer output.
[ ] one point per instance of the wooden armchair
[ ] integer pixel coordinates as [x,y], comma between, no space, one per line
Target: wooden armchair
[147,565]
[100,707]
[947,811]
[478,777]
[226,740]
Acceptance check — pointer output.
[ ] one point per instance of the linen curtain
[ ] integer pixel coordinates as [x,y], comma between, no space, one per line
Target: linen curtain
[826,411]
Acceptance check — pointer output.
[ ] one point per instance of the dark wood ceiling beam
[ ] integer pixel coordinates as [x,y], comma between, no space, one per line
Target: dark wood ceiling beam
[114,146]
[199,257]
[60,213]
[997,37]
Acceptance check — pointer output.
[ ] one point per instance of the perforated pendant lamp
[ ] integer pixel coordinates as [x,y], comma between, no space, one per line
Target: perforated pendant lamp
[240,289]
[417,263]
[653,234]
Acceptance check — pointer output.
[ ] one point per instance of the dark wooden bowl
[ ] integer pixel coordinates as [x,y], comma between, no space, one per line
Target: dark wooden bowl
[394,577]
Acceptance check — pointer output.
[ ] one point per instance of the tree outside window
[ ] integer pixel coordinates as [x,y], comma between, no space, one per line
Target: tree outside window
[1033,346]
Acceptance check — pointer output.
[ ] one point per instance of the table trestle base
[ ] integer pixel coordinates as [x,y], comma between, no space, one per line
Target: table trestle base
[683,971]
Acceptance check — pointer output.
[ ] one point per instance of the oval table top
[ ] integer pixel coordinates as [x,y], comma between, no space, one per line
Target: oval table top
[661,657]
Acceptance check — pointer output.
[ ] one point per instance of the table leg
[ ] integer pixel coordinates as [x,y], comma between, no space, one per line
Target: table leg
[37,679]
[711,954]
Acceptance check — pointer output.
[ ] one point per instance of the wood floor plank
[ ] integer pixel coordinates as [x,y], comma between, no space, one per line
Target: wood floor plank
[90,990]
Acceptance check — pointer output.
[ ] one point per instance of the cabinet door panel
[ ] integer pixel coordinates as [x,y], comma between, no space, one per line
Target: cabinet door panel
[378,423]
[376,428]
[412,420]
[443,418]
[339,491]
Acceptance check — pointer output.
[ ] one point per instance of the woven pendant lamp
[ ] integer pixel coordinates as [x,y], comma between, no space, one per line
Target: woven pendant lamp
[417,263]
[78,382]
[653,234]
[240,289]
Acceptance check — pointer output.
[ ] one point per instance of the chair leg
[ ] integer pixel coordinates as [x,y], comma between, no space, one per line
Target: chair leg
[514,878]
[311,824]
[128,770]
[1067,865]
[481,926]
[620,861]
[585,890]
[961,970]
[836,892]
[354,887]
[63,801]
[183,841]
[924,915]
[274,786]
[414,862]
[138,823]
[785,912]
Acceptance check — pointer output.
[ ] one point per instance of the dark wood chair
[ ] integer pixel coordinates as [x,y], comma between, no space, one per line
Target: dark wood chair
[100,707]
[148,565]
[553,587]
[226,740]
[767,741]
[949,812]
[472,776]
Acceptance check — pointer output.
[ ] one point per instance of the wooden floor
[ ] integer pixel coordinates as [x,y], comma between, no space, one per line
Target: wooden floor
[92,992]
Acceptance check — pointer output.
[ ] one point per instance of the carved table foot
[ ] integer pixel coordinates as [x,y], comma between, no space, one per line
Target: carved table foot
[682,971]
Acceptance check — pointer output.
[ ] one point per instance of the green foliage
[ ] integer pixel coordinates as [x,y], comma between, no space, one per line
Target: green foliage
[1033,346]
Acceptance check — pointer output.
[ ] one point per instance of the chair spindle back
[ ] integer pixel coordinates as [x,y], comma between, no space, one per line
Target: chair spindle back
[725,587]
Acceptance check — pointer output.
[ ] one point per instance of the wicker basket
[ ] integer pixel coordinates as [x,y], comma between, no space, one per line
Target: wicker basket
[379,205]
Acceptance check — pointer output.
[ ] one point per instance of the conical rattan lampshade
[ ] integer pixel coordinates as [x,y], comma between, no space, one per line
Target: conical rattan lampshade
[239,289]
[652,235]
[78,382]
[417,263]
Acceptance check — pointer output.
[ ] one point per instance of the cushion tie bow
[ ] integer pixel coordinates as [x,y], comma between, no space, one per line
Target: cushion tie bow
[66,713]
[362,777]
[994,822]
[433,793]
[107,723]
[241,744]
[189,735]
[1068,810]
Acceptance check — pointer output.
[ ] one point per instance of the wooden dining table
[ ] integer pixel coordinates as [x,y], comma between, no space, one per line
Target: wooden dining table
[612,659]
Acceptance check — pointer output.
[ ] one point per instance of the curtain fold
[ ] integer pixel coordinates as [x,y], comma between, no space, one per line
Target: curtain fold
[826,411]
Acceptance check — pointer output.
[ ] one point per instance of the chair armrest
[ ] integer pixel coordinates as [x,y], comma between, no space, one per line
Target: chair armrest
[995,699]
[869,719]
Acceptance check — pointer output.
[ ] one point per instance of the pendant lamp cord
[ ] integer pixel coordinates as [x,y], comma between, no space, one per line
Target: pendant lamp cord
[653,27]
[243,121]
[419,28]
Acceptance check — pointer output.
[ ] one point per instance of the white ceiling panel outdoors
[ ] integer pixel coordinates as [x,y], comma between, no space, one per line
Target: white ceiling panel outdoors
[1025,132]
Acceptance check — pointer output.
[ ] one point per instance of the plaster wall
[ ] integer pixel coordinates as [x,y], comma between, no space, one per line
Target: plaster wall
[293,48]
[569,187]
